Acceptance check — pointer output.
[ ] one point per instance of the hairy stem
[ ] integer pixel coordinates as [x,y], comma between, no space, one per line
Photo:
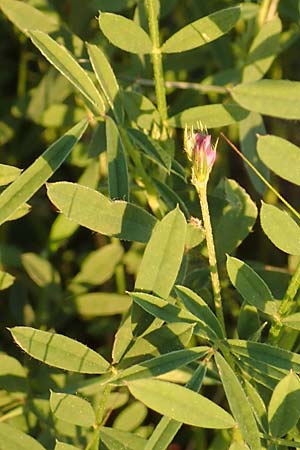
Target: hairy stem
[215,281]
[160,90]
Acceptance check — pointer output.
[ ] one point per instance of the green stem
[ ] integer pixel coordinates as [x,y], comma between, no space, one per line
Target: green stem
[160,90]
[95,441]
[267,11]
[202,192]
[286,305]
[282,199]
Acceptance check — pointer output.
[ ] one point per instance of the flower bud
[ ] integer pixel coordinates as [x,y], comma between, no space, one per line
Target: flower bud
[201,153]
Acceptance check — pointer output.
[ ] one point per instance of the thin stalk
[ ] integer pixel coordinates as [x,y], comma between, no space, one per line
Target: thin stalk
[286,305]
[214,275]
[281,198]
[160,90]
[206,88]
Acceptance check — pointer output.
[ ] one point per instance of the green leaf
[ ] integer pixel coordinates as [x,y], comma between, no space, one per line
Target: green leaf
[120,219]
[107,80]
[171,400]
[194,234]
[63,228]
[170,197]
[263,50]
[140,109]
[260,372]
[40,270]
[12,438]
[13,376]
[274,356]
[233,217]
[276,98]
[125,33]
[197,306]
[163,255]
[23,188]
[292,321]
[249,128]
[72,409]
[121,440]
[167,428]
[101,304]
[257,404]
[213,116]
[118,184]
[63,446]
[151,148]
[251,286]
[171,313]
[281,156]
[8,174]
[65,63]
[26,18]
[202,31]
[280,228]
[59,351]
[6,280]
[238,403]
[284,406]
[166,339]
[160,365]
[130,418]
[99,266]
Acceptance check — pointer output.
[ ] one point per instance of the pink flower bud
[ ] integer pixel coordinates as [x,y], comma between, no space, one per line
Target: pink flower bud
[201,152]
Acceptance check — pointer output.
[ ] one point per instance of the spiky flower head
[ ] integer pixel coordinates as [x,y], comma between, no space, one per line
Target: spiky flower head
[201,152]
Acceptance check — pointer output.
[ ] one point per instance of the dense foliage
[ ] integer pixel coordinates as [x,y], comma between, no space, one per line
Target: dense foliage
[136,327]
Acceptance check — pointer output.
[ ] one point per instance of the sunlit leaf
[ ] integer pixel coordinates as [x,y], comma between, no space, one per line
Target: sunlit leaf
[72,409]
[38,173]
[280,228]
[172,400]
[281,156]
[59,351]
[276,98]
[125,33]
[202,31]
